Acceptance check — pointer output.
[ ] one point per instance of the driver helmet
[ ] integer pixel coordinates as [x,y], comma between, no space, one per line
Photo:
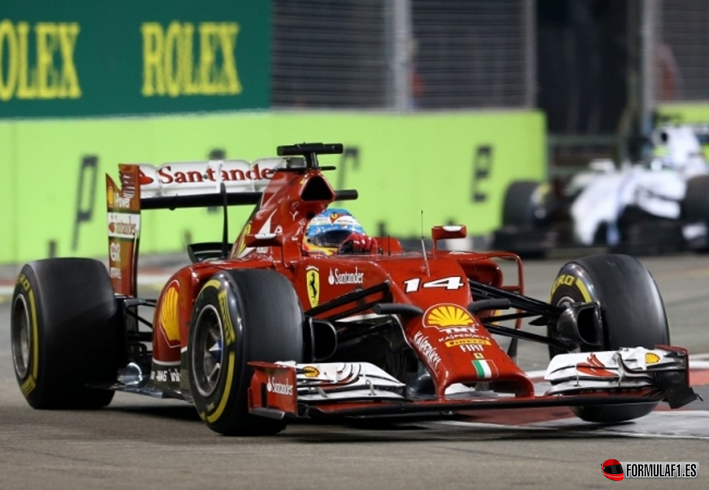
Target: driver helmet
[327,230]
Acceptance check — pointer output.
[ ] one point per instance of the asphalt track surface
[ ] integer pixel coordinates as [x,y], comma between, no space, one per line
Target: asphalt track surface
[143,443]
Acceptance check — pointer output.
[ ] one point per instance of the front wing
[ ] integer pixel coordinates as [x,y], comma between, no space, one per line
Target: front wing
[289,390]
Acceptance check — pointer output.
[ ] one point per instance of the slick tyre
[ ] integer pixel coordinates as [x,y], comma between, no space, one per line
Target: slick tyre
[695,209]
[240,316]
[526,220]
[65,332]
[632,311]
[644,234]
[526,203]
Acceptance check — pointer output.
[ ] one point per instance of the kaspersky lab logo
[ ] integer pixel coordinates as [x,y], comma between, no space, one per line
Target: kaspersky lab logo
[612,469]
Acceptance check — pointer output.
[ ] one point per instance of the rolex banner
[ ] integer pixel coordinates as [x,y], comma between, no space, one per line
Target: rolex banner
[61,58]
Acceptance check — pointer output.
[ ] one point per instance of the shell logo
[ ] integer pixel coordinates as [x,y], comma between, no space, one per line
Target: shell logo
[169,314]
[242,240]
[447,316]
[110,197]
[311,372]
[651,358]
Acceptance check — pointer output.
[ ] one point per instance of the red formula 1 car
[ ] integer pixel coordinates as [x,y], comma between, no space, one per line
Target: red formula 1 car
[260,332]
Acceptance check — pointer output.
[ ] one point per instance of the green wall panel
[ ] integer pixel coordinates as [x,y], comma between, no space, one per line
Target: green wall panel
[8,213]
[454,167]
[690,113]
[686,112]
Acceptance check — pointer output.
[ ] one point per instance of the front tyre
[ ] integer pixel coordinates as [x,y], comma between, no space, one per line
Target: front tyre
[240,316]
[527,214]
[632,312]
[695,210]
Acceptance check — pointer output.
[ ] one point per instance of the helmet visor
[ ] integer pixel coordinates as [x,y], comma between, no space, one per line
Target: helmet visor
[614,469]
[333,238]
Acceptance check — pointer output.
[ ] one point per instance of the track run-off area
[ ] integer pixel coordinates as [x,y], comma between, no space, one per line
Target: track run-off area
[141,442]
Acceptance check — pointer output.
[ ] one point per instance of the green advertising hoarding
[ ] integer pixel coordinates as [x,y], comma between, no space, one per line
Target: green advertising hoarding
[64,58]
[688,113]
[453,167]
[691,113]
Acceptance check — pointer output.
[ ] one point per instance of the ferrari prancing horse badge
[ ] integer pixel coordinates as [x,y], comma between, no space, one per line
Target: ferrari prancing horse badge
[312,279]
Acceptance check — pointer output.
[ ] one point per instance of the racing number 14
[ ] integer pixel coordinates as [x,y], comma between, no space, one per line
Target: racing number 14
[453,282]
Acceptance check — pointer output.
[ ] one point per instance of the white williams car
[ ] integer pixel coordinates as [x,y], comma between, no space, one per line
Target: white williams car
[660,205]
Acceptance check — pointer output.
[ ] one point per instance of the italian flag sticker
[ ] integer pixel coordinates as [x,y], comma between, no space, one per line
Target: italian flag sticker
[485,369]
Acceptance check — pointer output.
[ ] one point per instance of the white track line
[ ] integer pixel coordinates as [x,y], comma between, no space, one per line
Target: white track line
[536,374]
[695,363]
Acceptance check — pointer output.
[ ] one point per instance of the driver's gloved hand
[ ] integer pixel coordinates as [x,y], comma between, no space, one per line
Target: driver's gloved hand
[357,243]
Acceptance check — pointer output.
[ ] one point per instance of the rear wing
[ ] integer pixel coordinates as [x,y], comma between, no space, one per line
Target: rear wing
[172,186]
[189,185]
[189,178]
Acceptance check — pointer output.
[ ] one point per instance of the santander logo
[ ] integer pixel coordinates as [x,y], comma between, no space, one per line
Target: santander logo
[123,225]
[144,179]
[197,173]
[279,388]
[345,277]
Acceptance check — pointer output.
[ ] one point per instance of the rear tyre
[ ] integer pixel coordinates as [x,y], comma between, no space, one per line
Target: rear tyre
[240,316]
[642,233]
[695,206]
[632,311]
[65,331]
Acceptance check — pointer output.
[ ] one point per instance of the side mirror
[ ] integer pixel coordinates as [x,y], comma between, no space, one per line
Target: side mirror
[446,232]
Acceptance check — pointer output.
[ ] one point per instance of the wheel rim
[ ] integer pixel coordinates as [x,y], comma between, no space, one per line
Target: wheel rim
[21,337]
[562,302]
[207,351]
[565,301]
